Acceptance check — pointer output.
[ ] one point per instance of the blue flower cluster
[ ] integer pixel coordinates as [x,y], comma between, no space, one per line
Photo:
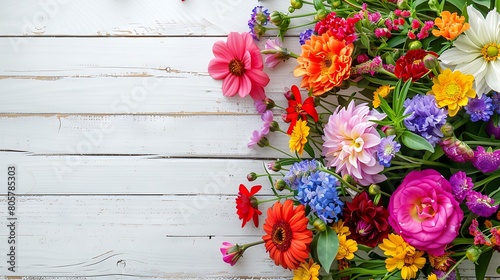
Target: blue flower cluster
[299,170]
[305,35]
[319,191]
[480,108]
[425,118]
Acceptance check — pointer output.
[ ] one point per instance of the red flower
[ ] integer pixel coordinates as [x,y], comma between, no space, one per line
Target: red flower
[246,205]
[412,65]
[296,109]
[368,223]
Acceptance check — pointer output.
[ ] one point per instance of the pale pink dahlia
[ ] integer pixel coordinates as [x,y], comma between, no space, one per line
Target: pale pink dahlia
[351,142]
[239,64]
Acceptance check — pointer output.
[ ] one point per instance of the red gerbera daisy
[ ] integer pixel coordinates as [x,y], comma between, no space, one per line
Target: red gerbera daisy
[296,109]
[288,238]
[246,205]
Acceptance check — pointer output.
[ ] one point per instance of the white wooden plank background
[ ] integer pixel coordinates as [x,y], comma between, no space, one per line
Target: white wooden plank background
[128,156]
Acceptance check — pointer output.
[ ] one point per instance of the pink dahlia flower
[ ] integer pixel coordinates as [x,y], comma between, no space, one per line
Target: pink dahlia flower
[239,64]
[424,212]
[351,142]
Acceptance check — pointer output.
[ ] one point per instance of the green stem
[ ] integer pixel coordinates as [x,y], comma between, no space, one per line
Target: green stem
[483,143]
[389,275]
[276,149]
[487,180]
[422,162]
[248,245]
[453,268]
[274,199]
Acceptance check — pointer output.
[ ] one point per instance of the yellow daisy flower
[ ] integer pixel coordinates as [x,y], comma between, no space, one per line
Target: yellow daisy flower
[347,248]
[340,229]
[395,246]
[382,91]
[307,271]
[432,276]
[402,256]
[453,89]
[298,138]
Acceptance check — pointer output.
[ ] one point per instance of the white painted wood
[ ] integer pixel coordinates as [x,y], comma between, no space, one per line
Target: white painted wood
[164,135]
[131,18]
[127,175]
[121,75]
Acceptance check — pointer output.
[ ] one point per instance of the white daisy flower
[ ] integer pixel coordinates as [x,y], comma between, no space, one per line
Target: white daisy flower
[477,51]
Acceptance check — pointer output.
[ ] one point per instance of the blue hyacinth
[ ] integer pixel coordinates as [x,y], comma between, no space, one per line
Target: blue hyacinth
[425,118]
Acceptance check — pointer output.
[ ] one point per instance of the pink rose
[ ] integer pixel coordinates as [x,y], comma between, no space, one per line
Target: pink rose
[424,212]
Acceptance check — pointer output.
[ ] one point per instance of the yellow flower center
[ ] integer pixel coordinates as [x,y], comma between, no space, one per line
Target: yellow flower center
[491,51]
[236,67]
[452,89]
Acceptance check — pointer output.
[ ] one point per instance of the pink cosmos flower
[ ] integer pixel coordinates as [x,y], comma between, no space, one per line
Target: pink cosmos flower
[351,142]
[239,64]
[424,212]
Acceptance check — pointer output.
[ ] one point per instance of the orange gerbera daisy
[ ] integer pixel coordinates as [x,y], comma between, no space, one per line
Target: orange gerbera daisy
[287,238]
[325,63]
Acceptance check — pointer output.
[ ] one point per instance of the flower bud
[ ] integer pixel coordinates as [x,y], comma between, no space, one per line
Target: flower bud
[319,224]
[274,166]
[447,130]
[493,130]
[415,45]
[251,176]
[280,184]
[263,142]
[269,103]
[277,17]
[374,189]
[434,5]
[430,61]
[376,199]
[473,253]
[403,5]
[336,4]
[348,179]
[321,14]
[388,130]
[274,126]
[296,4]
[291,9]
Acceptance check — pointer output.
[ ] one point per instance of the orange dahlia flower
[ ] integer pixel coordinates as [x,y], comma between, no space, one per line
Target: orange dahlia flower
[325,63]
[450,25]
[287,237]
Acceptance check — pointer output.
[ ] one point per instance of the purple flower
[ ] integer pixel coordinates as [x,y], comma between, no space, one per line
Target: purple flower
[456,150]
[274,52]
[319,191]
[387,149]
[255,139]
[440,274]
[268,118]
[480,108]
[481,205]
[305,35]
[486,161]
[258,19]
[495,101]
[460,185]
[261,106]
[231,253]
[298,170]
[425,118]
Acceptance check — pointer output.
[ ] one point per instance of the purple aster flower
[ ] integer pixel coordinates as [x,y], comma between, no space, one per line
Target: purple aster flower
[480,108]
[387,149]
[495,102]
[261,106]
[255,139]
[425,118]
[299,170]
[440,274]
[481,205]
[486,161]
[460,185]
[456,150]
[319,191]
[268,118]
[258,19]
[305,35]
[274,52]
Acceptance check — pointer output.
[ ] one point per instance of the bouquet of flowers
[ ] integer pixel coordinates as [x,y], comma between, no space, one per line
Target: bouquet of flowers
[393,169]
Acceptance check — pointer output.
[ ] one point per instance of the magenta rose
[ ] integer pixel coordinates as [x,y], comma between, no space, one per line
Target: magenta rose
[424,212]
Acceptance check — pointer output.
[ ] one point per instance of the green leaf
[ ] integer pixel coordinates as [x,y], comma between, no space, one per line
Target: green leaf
[416,142]
[497,5]
[386,108]
[396,41]
[460,4]
[318,5]
[327,247]
[482,264]
[309,150]
[364,40]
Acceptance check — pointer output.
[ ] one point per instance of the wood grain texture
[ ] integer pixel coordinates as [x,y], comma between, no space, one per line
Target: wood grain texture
[130,18]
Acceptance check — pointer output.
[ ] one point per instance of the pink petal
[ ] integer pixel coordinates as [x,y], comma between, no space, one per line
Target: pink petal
[230,85]
[258,77]
[236,45]
[258,93]
[245,85]
[221,50]
[218,68]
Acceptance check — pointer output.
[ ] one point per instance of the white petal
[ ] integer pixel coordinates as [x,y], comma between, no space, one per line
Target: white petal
[492,27]
[455,56]
[477,23]
[478,69]
[465,44]
[493,75]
